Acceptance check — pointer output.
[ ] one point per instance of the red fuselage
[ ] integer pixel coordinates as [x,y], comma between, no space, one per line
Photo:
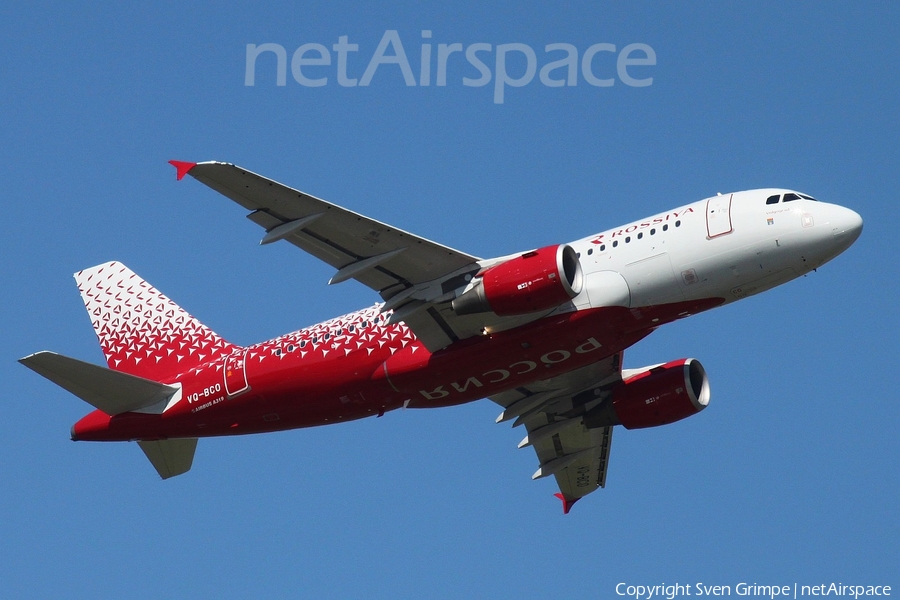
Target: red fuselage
[357,366]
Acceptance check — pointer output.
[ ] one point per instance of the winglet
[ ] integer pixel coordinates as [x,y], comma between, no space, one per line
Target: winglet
[567,504]
[182,168]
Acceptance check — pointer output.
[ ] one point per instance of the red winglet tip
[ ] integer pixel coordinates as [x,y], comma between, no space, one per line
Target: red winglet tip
[182,168]
[567,504]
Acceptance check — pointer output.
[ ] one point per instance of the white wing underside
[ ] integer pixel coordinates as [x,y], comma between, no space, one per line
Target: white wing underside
[415,276]
[552,412]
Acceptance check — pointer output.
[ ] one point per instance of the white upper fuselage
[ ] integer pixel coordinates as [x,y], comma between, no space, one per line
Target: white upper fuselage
[729,246]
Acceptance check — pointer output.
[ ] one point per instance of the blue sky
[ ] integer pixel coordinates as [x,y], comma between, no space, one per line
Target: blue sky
[789,476]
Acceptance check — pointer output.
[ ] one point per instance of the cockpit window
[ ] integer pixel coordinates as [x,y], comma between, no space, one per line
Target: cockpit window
[805,197]
[790,197]
[773,199]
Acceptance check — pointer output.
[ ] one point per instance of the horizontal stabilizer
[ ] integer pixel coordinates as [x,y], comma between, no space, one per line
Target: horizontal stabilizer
[111,391]
[170,457]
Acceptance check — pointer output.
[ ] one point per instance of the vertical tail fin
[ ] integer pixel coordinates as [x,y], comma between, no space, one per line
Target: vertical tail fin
[140,330]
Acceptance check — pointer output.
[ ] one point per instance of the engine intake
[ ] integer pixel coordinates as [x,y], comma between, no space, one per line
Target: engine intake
[538,280]
[657,396]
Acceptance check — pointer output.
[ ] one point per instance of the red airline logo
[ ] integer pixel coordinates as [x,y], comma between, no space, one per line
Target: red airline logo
[675,214]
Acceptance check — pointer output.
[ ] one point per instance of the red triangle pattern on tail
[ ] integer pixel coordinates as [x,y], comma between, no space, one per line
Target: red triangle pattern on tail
[140,330]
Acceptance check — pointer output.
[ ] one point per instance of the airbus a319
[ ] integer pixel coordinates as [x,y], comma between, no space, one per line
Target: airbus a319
[541,332]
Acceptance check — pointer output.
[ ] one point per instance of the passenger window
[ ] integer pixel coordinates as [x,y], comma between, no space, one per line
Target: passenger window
[627,239]
[773,199]
[303,343]
[790,197]
[590,251]
[666,227]
[677,223]
[652,232]
[615,243]
[640,235]
[602,247]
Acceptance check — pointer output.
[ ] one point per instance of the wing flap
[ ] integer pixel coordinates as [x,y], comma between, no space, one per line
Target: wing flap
[588,472]
[553,414]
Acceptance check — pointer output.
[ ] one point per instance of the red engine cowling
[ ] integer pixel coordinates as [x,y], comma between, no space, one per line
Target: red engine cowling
[661,395]
[538,280]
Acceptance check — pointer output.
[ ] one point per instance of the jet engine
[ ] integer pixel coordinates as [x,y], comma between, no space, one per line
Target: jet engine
[538,280]
[656,396]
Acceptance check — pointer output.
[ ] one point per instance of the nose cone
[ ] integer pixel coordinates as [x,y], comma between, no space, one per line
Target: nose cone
[846,225]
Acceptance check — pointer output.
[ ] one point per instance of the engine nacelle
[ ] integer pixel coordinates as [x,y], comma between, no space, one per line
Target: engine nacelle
[657,396]
[538,280]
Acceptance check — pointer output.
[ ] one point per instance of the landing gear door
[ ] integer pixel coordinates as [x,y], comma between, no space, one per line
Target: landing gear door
[236,374]
[718,216]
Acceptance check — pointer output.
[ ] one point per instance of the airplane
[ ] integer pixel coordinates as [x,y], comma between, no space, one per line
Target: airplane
[542,332]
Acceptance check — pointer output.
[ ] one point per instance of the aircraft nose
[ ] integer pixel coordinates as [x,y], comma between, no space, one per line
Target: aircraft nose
[846,226]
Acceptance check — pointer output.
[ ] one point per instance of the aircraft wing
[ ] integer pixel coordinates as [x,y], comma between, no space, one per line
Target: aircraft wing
[553,414]
[412,274]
